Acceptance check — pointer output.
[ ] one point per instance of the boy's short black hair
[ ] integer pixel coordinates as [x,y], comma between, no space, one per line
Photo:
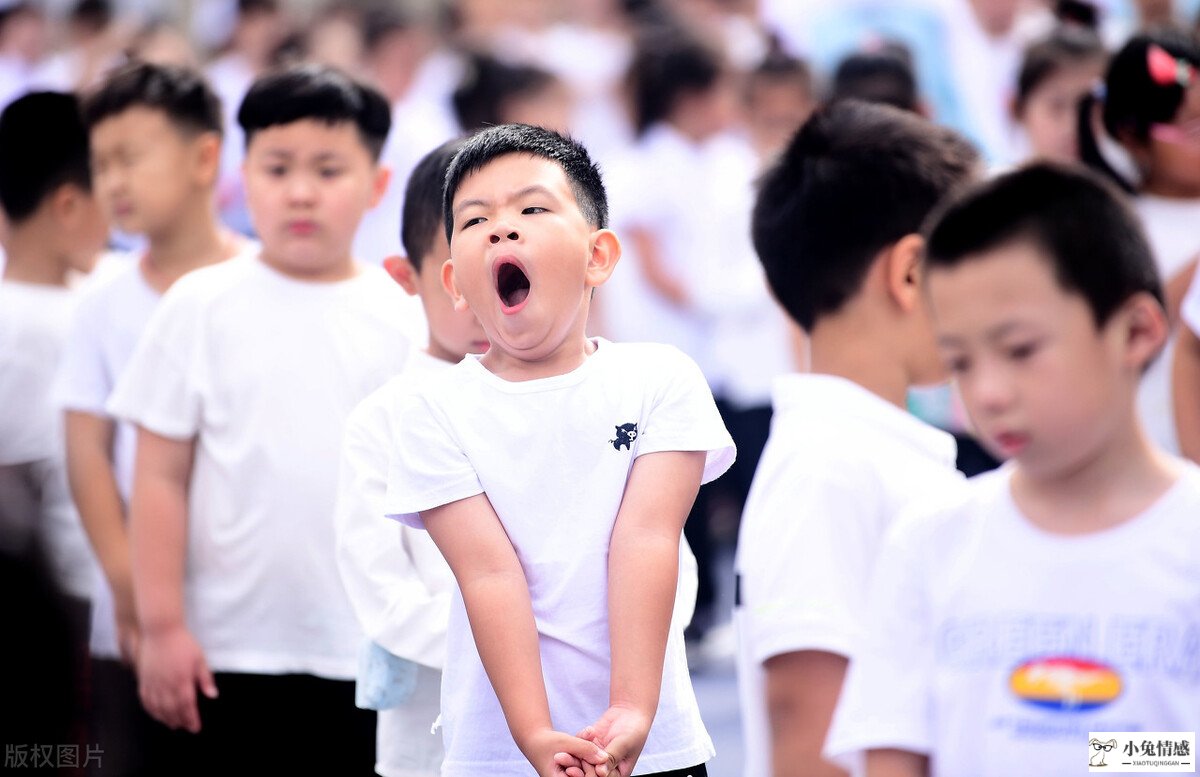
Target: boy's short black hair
[1077,220]
[884,76]
[489,86]
[320,93]
[181,93]
[422,212]
[856,178]
[669,63]
[43,145]
[379,22]
[481,148]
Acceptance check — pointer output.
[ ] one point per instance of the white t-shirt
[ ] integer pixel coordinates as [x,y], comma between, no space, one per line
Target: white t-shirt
[1171,229]
[262,370]
[839,465]
[996,647]
[398,582]
[395,578]
[696,200]
[553,456]
[33,333]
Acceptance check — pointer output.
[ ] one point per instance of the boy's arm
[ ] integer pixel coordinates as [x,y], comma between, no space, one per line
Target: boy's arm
[170,663]
[802,691]
[98,499]
[896,763]
[643,566]
[1186,392]
[496,595]
[654,268]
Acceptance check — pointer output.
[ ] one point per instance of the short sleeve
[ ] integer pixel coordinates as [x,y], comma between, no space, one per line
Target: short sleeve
[684,417]
[160,387]
[813,535]
[887,699]
[428,466]
[83,382]
[1191,306]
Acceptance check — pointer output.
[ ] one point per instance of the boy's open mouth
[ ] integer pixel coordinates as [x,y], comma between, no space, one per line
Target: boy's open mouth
[512,284]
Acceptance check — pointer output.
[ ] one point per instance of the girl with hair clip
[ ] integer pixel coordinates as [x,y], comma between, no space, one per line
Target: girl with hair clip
[1142,129]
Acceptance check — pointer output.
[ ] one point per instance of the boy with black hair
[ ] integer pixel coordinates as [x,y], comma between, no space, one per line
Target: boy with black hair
[240,388]
[836,228]
[1057,596]
[155,136]
[555,473]
[397,581]
[54,229]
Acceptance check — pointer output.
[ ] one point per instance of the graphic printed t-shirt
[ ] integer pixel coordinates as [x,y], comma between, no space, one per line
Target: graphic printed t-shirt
[553,456]
[997,647]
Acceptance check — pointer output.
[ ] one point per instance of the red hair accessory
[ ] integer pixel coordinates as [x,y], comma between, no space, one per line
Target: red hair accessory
[1166,70]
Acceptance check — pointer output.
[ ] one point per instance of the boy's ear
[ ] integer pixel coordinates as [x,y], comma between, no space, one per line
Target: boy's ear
[902,271]
[448,283]
[1143,328]
[207,148]
[383,176]
[64,203]
[402,272]
[605,253]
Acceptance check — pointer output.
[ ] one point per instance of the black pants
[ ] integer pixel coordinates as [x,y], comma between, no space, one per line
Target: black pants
[126,740]
[749,428]
[694,771]
[280,724]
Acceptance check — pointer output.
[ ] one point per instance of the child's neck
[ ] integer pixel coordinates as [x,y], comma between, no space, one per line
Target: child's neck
[29,258]
[860,356]
[1124,477]
[196,239]
[569,356]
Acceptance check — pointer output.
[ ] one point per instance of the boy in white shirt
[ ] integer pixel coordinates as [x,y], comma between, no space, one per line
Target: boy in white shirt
[54,229]
[395,578]
[1060,595]
[240,388]
[836,227]
[156,141]
[555,473]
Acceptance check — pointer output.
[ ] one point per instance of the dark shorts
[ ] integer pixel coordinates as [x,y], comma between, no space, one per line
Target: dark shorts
[693,771]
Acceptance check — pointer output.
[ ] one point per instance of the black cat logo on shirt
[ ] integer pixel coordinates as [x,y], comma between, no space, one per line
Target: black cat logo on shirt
[626,434]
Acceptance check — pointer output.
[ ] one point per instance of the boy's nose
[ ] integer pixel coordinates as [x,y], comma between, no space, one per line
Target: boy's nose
[511,236]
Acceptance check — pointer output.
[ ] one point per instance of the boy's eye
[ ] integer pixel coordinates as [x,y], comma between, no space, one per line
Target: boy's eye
[330,172]
[533,209]
[472,222]
[957,365]
[276,170]
[1022,351]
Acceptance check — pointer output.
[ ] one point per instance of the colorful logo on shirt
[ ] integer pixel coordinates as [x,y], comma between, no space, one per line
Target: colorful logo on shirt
[1065,684]
[626,434]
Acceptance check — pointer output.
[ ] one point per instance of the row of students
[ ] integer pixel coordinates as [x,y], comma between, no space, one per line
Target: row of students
[959,628]
[202,378]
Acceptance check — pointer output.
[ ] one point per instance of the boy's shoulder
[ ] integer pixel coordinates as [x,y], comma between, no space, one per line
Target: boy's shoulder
[420,370]
[836,420]
[115,277]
